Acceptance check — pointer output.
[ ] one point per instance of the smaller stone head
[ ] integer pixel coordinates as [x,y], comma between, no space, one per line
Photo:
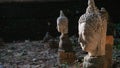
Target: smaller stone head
[62,23]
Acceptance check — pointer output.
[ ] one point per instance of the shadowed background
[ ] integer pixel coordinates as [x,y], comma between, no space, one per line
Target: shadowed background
[28,19]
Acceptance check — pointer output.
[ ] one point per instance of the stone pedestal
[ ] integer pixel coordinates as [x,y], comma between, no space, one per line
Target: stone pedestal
[65,52]
[66,57]
[108,51]
[93,62]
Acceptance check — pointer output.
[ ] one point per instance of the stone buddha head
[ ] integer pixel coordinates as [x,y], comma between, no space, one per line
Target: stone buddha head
[62,23]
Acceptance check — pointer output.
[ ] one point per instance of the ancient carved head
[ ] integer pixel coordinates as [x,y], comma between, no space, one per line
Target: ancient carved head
[62,23]
[89,34]
[92,30]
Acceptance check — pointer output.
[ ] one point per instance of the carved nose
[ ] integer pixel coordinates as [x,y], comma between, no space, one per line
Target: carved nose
[80,39]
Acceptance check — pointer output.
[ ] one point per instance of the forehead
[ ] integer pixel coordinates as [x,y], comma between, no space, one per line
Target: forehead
[62,23]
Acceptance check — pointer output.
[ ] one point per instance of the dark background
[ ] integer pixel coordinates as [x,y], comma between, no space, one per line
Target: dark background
[20,20]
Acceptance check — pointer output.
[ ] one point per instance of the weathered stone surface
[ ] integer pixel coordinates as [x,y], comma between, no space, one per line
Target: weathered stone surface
[65,45]
[66,57]
[92,35]
[62,23]
[62,27]
[92,30]
[93,62]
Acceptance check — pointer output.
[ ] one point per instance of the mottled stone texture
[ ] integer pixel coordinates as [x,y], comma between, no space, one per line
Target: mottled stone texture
[66,57]
[65,51]
[92,30]
[93,62]
[92,34]
[62,27]
[62,23]
[65,44]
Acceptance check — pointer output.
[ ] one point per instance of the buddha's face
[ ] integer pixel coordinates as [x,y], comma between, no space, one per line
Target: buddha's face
[62,27]
[59,28]
[87,37]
